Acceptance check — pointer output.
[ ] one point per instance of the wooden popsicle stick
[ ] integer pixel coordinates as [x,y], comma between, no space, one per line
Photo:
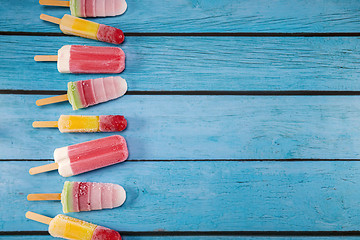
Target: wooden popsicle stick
[38,217]
[44,196]
[55,3]
[46,58]
[45,124]
[50,18]
[50,100]
[43,168]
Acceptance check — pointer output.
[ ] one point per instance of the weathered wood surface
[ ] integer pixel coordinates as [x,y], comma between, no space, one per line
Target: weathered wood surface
[174,192]
[200,196]
[202,16]
[197,127]
[126,237]
[193,63]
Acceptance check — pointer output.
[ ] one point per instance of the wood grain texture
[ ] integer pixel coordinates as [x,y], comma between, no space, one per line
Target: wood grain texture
[202,16]
[197,127]
[200,196]
[192,63]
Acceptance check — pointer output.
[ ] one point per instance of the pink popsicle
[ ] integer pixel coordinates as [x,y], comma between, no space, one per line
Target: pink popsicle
[91,59]
[96,154]
[88,156]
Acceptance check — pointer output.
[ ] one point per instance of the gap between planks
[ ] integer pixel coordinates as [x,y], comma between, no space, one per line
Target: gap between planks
[211,233]
[209,160]
[200,93]
[203,34]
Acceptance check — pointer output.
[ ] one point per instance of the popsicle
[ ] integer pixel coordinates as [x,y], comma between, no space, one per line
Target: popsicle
[87,59]
[85,196]
[90,8]
[87,156]
[71,123]
[85,93]
[71,25]
[74,229]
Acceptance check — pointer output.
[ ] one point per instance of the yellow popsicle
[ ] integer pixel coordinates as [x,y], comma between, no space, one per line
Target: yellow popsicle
[74,229]
[71,228]
[84,28]
[79,27]
[71,123]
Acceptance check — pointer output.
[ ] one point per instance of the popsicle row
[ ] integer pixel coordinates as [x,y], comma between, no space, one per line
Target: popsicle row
[91,155]
[83,196]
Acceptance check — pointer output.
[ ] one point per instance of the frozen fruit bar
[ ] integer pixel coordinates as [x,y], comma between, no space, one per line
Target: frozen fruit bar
[87,156]
[90,59]
[87,196]
[82,94]
[71,25]
[85,93]
[67,227]
[87,59]
[72,123]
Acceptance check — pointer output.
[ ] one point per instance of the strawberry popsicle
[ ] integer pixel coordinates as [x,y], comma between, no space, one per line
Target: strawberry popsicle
[87,59]
[71,123]
[71,25]
[85,93]
[90,8]
[87,156]
[85,196]
[67,227]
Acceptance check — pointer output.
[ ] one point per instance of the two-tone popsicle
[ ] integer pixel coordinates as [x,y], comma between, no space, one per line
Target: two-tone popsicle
[87,156]
[85,196]
[72,123]
[85,93]
[90,8]
[86,59]
[67,227]
[71,25]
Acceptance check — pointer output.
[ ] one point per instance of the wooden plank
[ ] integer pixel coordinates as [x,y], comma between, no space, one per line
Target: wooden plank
[197,127]
[203,16]
[201,196]
[192,63]
[125,237]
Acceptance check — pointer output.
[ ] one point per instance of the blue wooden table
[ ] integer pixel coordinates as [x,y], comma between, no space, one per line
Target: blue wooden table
[243,119]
